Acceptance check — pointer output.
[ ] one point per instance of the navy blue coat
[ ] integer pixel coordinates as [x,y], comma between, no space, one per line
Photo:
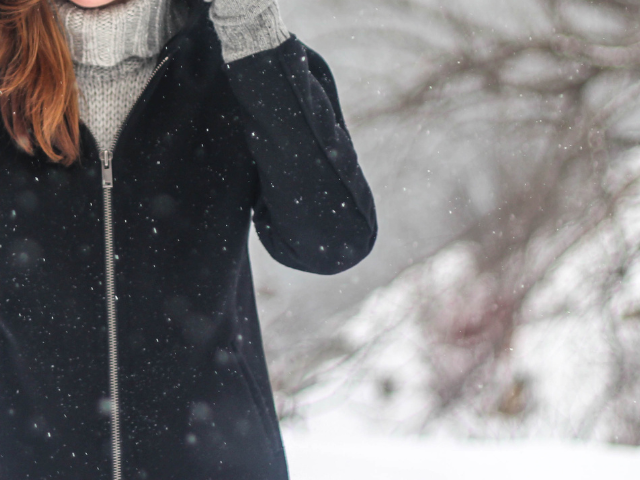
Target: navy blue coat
[207,148]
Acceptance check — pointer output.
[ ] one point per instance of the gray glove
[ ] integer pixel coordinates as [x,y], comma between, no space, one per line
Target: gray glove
[246,27]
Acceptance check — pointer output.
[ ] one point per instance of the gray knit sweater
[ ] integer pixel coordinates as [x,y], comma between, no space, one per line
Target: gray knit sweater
[115,48]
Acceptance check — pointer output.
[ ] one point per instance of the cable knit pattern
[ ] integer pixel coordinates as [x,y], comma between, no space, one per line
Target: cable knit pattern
[106,36]
[246,27]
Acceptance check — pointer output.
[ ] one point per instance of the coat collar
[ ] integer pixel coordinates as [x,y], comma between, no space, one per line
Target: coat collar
[192,11]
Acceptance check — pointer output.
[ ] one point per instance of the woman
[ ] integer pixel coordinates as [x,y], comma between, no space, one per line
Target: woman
[189,120]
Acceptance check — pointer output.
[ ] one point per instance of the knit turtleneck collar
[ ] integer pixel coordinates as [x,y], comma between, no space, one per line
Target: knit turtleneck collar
[106,36]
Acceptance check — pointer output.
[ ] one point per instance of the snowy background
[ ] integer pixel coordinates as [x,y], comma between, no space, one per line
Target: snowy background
[494,331]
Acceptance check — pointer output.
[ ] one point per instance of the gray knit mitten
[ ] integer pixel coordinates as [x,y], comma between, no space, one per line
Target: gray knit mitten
[246,27]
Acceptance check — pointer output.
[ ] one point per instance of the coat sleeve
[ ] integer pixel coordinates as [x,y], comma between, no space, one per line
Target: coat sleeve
[314,211]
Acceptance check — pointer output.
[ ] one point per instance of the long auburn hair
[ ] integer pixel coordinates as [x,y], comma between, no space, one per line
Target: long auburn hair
[38,92]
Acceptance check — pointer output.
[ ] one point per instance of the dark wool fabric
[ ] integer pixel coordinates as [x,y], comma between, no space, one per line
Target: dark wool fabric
[208,147]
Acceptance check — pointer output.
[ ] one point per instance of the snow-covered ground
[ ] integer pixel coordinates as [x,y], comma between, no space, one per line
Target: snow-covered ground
[339,456]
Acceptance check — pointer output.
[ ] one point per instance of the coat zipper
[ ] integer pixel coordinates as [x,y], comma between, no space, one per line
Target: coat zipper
[106,160]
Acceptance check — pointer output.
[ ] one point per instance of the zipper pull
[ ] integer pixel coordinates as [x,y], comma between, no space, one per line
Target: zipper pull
[107,171]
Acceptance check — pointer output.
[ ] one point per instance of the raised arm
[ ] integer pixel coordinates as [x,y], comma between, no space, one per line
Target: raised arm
[315,211]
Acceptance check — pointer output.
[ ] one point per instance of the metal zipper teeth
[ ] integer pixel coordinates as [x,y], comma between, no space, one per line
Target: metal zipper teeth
[106,158]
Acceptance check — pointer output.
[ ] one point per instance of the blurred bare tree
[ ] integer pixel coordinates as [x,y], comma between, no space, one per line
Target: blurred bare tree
[545,103]
[525,113]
